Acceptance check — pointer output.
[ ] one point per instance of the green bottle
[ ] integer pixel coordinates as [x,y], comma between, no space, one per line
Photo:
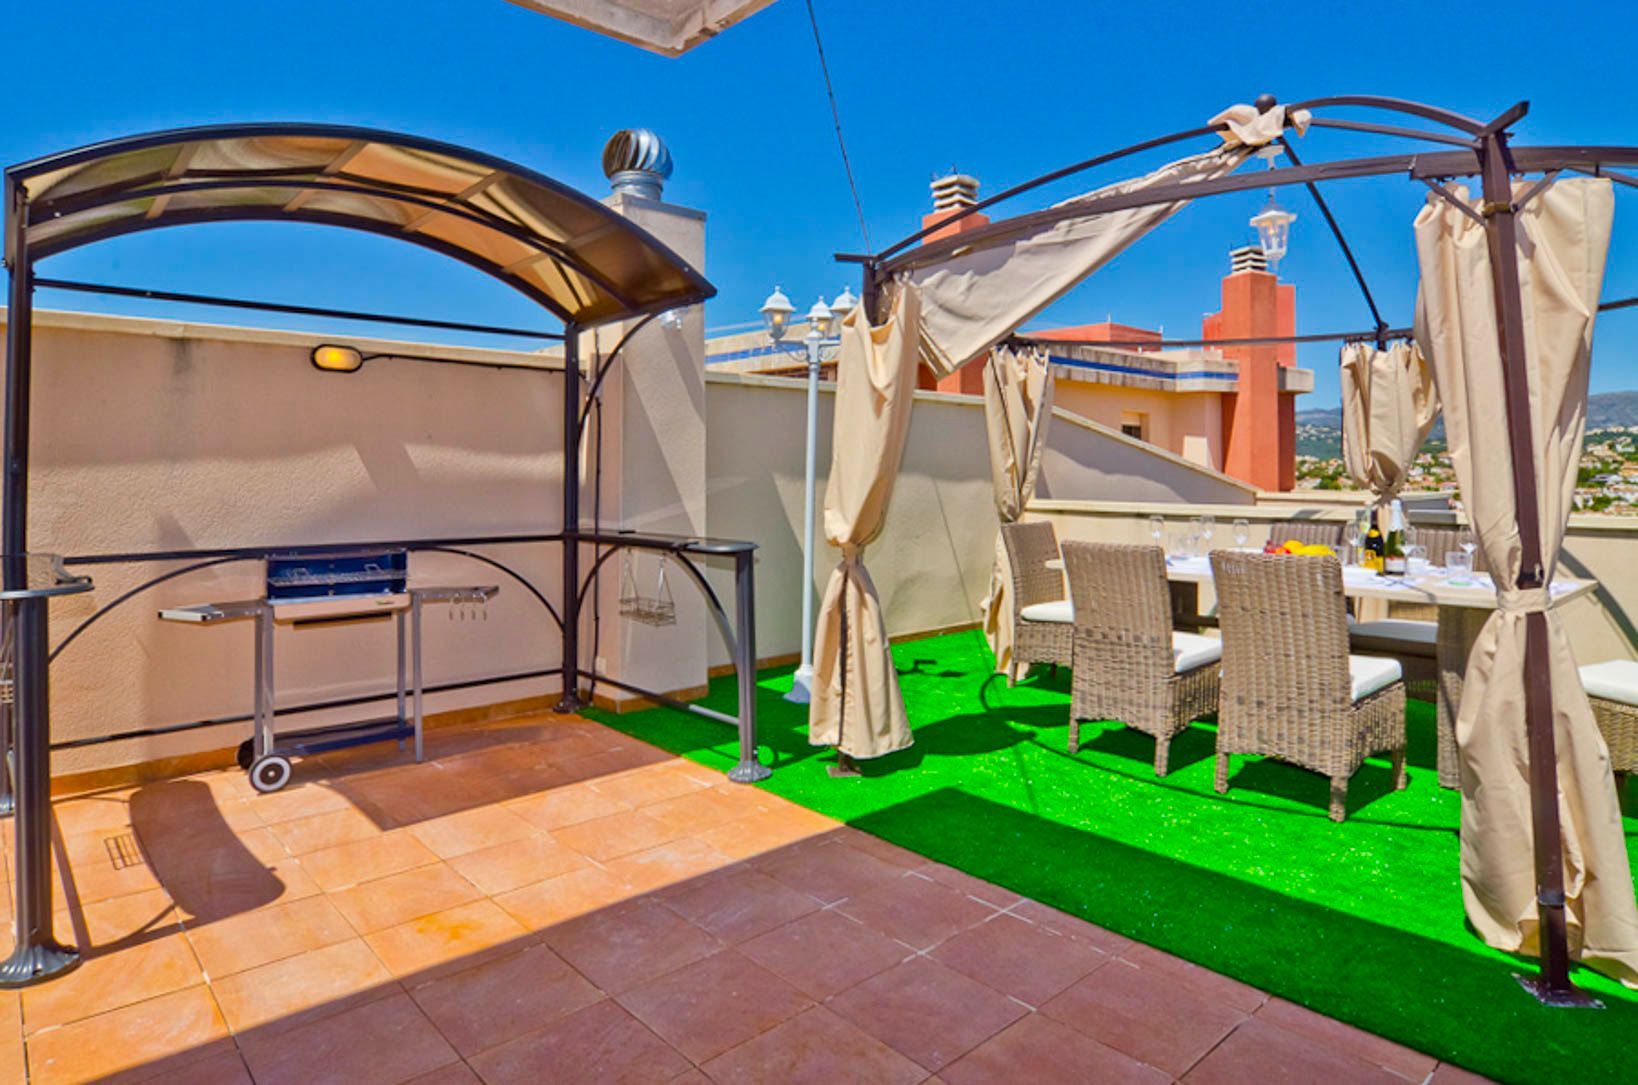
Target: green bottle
[1393,549]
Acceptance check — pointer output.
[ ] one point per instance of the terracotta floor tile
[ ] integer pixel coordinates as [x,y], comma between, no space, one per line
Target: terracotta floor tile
[621,947]
[1408,1064]
[611,762]
[565,806]
[601,1043]
[381,1043]
[513,865]
[1020,959]
[674,863]
[148,1040]
[399,898]
[321,982]
[101,866]
[814,1048]
[366,860]
[1145,1015]
[471,830]
[454,936]
[619,834]
[823,953]
[504,998]
[564,897]
[297,800]
[456,1073]
[1040,1051]
[221,1067]
[248,941]
[1210,985]
[928,1012]
[962,882]
[106,813]
[327,830]
[108,980]
[917,911]
[708,807]
[220,898]
[1064,923]
[1264,1053]
[1447,1074]
[707,1007]
[12,1061]
[758,835]
[649,784]
[738,903]
[185,854]
[830,872]
[881,849]
[407,795]
[121,921]
[190,801]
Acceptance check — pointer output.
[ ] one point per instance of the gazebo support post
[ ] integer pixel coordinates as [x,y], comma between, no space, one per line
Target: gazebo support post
[38,955]
[1552,986]
[570,700]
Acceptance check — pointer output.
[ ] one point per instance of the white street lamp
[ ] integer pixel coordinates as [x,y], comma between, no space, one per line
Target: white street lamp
[824,321]
[1273,222]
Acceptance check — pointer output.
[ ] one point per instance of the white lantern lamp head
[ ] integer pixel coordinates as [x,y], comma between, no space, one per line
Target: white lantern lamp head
[1273,226]
[776,314]
[843,304]
[821,322]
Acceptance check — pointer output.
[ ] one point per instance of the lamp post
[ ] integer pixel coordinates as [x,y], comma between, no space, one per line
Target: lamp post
[823,323]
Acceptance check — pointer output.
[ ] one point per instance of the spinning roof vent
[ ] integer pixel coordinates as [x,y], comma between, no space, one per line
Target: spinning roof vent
[637,162]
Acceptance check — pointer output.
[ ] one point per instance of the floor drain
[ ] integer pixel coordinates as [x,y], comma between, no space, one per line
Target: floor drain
[123,852]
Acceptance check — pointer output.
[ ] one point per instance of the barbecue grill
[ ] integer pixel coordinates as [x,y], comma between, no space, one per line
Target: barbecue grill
[308,590]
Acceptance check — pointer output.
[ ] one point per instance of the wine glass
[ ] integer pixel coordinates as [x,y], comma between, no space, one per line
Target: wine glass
[1357,530]
[1157,529]
[1242,533]
[1467,542]
[1208,524]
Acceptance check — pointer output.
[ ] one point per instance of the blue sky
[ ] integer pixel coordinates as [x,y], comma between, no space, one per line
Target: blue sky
[1001,90]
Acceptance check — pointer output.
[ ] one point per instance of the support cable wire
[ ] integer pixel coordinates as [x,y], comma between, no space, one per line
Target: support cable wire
[836,116]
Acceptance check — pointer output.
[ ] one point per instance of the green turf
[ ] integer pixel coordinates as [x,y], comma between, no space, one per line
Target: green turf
[1362,921]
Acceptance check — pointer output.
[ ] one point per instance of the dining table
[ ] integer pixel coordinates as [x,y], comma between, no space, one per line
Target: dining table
[1462,602]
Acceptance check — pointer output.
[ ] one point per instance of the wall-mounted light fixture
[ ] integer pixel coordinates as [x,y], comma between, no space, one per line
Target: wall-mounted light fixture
[334,359]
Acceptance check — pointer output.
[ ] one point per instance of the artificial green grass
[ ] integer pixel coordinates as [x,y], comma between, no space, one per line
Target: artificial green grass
[1361,921]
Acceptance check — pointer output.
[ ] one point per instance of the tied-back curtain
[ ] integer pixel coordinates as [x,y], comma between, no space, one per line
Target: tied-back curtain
[1388,407]
[982,293]
[1564,235]
[856,703]
[1017,409]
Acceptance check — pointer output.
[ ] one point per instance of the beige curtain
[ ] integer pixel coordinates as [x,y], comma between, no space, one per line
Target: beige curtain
[856,703]
[1564,235]
[1017,409]
[1388,407]
[982,293]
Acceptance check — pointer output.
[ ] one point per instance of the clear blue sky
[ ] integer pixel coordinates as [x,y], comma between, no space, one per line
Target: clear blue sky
[1001,90]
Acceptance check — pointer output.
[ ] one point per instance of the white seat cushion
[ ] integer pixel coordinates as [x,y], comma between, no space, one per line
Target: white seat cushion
[1368,674]
[1612,680]
[1059,610]
[1191,651]
[1397,629]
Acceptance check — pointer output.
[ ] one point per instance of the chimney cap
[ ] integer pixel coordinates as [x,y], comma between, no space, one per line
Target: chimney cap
[954,190]
[637,162]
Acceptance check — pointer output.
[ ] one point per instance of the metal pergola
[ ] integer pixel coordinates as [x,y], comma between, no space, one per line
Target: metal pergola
[1451,146]
[580,261]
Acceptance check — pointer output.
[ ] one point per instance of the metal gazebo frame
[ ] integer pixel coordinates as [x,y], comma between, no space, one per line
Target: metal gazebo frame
[1482,148]
[579,260]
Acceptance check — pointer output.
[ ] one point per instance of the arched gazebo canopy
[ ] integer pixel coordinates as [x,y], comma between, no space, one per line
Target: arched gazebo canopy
[569,253]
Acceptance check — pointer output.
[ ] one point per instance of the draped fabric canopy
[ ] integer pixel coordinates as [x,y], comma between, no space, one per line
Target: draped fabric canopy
[856,703]
[983,293]
[1018,391]
[1564,236]
[1388,406]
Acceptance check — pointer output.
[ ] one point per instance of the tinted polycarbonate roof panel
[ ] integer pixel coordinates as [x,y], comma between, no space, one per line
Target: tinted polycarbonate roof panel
[563,249]
[671,27]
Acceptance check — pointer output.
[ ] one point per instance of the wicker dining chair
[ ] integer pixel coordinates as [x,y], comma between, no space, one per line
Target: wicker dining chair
[1324,532]
[1042,628]
[1130,665]
[1290,688]
[1612,690]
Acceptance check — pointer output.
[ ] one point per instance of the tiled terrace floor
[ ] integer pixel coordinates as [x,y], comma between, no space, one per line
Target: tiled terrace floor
[549,900]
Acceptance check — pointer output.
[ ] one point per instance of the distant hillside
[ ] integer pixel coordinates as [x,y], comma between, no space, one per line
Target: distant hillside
[1319,430]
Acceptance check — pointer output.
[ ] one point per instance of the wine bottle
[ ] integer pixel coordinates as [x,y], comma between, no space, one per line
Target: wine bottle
[1374,548]
[1393,548]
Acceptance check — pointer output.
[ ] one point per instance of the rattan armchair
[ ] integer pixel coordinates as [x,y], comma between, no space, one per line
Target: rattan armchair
[1324,532]
[1290,688]
[1041,630]
[1129,663]
[1612,690]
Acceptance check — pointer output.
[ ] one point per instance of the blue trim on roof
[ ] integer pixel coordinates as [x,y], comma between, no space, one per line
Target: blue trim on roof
[754,352]
[1139,371]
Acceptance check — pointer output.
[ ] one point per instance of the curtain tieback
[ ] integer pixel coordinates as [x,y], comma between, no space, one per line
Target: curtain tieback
[1523,600]
[852,553]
